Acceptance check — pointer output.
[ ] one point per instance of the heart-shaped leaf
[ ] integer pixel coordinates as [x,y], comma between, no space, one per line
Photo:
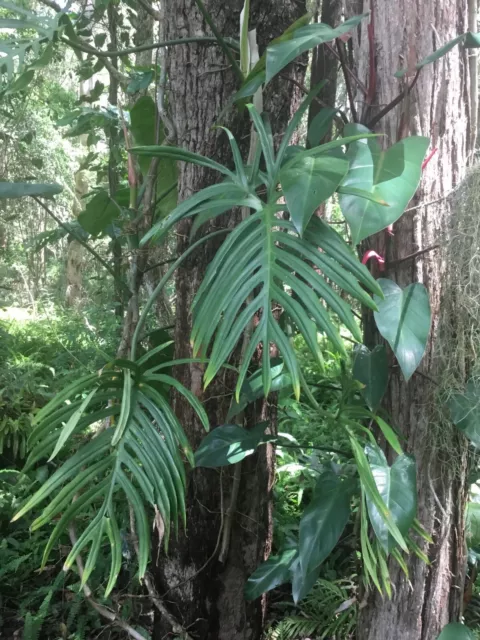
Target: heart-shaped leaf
[228,444]
[371,369]
[403,319]
[270,574]
[456,631]
[465,411]
[391,176]
[309,181]
[397,486]
[324,520]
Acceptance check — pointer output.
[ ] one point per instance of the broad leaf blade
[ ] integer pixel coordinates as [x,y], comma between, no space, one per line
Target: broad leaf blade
[371,369]
[456,631]
[303,39]
[397,486]
[228,444]
[403,319]
[323,521]
[270,574]
[465,411]
[309,182]
[391,176]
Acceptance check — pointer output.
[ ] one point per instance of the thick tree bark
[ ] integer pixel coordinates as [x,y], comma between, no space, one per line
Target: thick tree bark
[203,593]
[438,107]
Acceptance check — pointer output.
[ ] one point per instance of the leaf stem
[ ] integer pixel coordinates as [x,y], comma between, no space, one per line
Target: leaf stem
[229,43]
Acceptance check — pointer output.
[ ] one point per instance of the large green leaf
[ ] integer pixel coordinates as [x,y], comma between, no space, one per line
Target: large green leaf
[391,176]
[303,39]
[302,584]
[228,444]
[320,125]
[371,369]
[270,574]
[324,520]
[252,388]
[397,486]
[456,631]
[403,319]
[100,211]
[465,411]
[144,123]
[22,189]
[309,182]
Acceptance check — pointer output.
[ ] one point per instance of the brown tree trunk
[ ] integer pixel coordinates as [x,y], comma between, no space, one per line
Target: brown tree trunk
[439,107]
[202,592]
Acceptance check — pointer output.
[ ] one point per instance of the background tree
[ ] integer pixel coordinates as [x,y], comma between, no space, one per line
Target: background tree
[417,251]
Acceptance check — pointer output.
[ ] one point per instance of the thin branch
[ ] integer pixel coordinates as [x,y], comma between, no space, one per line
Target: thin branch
[158,264]
[52,5]
[145,47]
[78,239]
[357,80]
[343,117]
[113,71]
[413,255]
[103,611]
[345,69]
[391,105]
[221,41]
[149,9]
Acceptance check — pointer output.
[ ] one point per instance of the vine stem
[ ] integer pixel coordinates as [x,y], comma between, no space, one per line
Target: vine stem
[146,47]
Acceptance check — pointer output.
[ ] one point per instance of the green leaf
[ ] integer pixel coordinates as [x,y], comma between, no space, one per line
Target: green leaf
[140,81]
[21,83]
[391,176]
[309,182]
[72,423]
[403,319]
[324,520]
[100,211]
[22,189]
[270,574]
[397,486]
[320,125]
[302,584]
[371,369]
[456,631]
[228,444]
[465,411]
[389,435]
[252,388]
[472,40]
[303,39]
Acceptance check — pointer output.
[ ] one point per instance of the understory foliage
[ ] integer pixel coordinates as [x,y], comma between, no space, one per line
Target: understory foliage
[94,455]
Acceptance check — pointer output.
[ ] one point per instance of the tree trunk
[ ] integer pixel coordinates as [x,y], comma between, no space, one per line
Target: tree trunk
[439,107]
[204,593]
